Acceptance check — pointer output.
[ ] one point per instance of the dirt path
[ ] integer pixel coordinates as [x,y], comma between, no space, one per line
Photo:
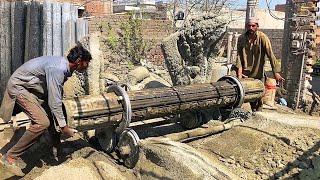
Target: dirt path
[263,148]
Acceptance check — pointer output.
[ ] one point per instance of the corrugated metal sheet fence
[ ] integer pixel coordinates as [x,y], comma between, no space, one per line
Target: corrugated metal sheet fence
[29,30]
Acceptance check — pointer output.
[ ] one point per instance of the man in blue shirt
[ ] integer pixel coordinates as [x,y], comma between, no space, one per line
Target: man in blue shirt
[35,85]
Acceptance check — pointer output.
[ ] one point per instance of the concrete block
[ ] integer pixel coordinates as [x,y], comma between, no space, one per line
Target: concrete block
[56,30]
[18,23]
[47,48]
[5,45]
[33,31]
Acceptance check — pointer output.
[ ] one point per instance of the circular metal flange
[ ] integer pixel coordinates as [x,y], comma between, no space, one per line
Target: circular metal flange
[107,139]
[128,147]
[240,89]
[127,113]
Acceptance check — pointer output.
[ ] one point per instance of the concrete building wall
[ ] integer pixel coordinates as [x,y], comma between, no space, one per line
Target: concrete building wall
[153,31]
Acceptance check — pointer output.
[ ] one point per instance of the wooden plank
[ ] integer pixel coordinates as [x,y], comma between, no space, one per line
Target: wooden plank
[18,23]
[5,46]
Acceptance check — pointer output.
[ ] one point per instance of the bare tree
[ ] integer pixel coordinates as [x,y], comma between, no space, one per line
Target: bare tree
[190,7]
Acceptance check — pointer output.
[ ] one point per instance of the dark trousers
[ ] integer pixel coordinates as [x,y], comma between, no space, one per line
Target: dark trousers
[39,123]
[256,105]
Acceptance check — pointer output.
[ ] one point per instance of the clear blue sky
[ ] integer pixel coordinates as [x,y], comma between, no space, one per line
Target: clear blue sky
[262,3]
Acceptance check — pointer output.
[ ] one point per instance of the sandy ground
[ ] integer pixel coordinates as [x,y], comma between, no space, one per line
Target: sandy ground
[271,145]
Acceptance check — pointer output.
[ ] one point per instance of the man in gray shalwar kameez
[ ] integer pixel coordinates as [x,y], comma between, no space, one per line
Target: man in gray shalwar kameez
[35,85]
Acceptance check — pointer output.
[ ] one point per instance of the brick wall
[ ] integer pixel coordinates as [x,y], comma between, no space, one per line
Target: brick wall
[275,36]
[280,7]
[99,7]
[153,31]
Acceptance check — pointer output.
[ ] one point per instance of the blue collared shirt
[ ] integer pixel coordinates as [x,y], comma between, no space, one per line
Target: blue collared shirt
[43,77]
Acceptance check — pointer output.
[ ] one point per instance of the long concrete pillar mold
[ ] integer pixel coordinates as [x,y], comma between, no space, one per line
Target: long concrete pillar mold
[47,29]
[65,22]
[33,31]
[94,66]
[5,46]
[56,30]
[18,24]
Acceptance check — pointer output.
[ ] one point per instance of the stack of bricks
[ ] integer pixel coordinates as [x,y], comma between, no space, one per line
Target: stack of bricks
[99,7]
[299,50]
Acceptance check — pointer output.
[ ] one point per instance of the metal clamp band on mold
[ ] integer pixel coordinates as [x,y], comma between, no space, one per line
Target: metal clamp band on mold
[241,92]
[127,111]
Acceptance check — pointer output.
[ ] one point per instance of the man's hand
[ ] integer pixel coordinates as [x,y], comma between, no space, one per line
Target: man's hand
[278,77]
[68,131]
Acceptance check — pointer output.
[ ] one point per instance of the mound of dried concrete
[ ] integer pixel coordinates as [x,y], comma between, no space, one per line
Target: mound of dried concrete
[165,159]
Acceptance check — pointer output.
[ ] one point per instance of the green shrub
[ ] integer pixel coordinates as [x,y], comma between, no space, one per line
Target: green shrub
[132,40]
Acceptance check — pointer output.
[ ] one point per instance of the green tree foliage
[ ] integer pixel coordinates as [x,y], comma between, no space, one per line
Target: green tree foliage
[111,39]
[131,39]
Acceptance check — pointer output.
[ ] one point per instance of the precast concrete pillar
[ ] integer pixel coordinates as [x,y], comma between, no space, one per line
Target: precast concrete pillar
[18,22]
[251,9]
[56,30]
[47,29]
[229,46]
[33,31]
[5,45]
